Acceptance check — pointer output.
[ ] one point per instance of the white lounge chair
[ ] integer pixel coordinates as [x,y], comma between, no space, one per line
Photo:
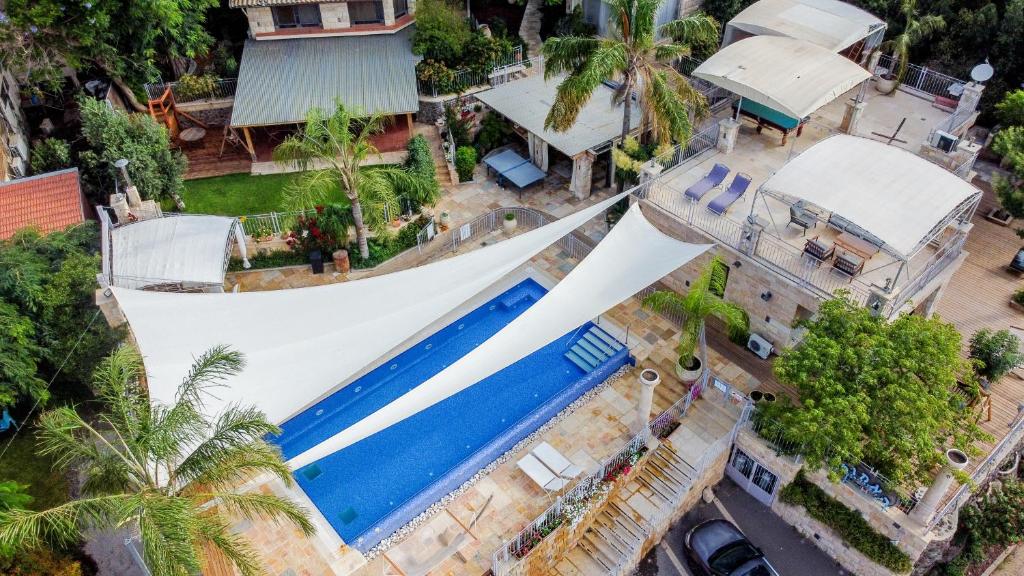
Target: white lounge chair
[540,474]
[554,460]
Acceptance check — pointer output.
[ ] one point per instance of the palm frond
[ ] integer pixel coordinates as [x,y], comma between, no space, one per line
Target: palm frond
[577,88]
[237,429]
[698,28]
[22,529]
[668,113]
[234,547]
[207,371]
[267,506]
[567,54]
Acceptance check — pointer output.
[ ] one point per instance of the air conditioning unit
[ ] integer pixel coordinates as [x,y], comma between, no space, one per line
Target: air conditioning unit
[758,345]
[944,141]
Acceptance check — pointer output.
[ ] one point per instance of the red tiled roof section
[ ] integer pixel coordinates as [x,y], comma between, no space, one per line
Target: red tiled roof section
[49,202]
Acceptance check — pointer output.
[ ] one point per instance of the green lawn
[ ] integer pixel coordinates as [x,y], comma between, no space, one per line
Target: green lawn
[235,194]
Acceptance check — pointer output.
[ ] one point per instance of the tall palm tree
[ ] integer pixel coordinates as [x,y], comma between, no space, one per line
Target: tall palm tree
[342,142]
[700,302]
[633,55]
[915,29]
[163,472]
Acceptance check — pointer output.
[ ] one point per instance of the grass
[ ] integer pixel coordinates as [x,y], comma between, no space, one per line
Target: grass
[21,464]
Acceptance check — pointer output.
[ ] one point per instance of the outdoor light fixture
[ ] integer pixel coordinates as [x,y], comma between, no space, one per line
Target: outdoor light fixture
[737,264]
[766,296]
[122,166]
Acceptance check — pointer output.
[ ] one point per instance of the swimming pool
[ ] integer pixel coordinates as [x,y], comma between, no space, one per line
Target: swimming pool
[372,488]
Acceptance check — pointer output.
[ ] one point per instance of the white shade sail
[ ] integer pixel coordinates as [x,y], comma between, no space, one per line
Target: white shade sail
[795,77]
[189,249]
[830,24]
[634,255]
[892,193]
[303,343]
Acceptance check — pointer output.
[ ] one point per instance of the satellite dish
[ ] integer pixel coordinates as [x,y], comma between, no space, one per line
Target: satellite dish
[121,163]
[982,72]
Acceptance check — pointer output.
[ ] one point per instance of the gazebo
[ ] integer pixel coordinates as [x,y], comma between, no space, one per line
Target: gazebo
[836,26]
[526,103]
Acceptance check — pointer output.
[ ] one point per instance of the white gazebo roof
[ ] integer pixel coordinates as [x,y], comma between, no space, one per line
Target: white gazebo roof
[304,343]
[527,101]
[188,249]
[795,77]
[892,193]
[831,24]
[631,257]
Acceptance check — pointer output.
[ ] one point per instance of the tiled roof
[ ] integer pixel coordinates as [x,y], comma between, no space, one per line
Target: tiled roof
[50,202]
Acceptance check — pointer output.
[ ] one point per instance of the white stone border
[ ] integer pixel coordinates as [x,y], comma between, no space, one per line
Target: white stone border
[400,534]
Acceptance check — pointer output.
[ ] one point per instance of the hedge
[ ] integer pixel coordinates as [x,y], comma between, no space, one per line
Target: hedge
[465,161]
[421,163]
[849,524]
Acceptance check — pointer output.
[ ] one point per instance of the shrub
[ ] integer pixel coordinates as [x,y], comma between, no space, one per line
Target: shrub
[441,30]
[999,352]
[1018,297]
[192,87]
[50,154]
[264,259]
[574,24]
[465,161]
[421,163]
[439,76]
[1011,197]
[739,335]
[457,125]
[494,132]
[847,523]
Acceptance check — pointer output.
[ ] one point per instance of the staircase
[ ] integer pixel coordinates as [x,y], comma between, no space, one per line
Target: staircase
[440,164]
[614,541]
[593,349]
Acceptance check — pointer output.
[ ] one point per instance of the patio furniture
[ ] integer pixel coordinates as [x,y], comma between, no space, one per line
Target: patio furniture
[554,460]
[840,224]
[856,245]
[540,474]
[713,179]
[764,116]
[819,250]
[802,217]
[721,203]
[848,263]
[191,137]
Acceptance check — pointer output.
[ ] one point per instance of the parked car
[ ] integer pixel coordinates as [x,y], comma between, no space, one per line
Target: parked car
[720,549]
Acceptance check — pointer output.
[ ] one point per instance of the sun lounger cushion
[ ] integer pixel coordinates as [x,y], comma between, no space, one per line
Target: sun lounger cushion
[723,201]
[713,179]
[540,474]
[554,460]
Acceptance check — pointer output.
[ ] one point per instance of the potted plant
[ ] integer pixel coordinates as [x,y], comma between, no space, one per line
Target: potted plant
[700,302]
[1011,202]
[996,352]
[1017,300]
[510,223]
[915,29]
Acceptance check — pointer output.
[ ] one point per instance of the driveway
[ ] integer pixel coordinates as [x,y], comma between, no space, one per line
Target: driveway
[788,551]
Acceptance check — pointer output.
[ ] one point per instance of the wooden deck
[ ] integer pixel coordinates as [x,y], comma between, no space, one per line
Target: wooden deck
[978,297]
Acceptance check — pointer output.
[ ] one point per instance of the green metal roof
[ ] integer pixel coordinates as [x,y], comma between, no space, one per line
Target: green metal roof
[279,80]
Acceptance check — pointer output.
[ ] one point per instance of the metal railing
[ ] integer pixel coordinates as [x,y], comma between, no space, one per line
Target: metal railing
[270,223]
[921,79]
[515,70]
[935,265]
[1003,449]
[466,78]
[701,141]
[222,88]
[572,244]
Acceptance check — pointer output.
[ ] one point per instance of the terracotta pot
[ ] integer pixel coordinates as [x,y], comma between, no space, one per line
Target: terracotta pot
[689,375]
[341,261]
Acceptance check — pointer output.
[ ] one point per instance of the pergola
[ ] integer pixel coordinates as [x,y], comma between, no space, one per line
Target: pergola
[526,103]
[836,26]
[280,80]
[884,195]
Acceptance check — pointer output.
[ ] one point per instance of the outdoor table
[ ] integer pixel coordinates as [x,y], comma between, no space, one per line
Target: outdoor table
[192,136]
[856,245]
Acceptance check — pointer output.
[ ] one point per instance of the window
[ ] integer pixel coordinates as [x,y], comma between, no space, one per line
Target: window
[401,8]
[366,12]
[304,16]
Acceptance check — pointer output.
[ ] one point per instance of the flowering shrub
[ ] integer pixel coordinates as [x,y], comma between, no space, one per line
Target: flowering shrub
[326,231]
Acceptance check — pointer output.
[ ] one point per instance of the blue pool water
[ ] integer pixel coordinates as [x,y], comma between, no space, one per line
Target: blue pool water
[372,488]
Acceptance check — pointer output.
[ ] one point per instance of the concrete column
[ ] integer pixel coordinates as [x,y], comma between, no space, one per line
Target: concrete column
[851,120]
[648,380]
[970,99]
[582,168]
[873,60]
[650,171]
[749,235]
[728,131]
[925,509]
[389,12]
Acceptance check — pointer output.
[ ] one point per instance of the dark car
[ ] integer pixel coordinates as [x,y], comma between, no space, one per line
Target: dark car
[720,549]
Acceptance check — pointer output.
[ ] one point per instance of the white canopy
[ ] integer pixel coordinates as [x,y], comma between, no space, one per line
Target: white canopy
[301,344]
[831,24]
[190,248]
[892,193]
[792,76]
[634,255]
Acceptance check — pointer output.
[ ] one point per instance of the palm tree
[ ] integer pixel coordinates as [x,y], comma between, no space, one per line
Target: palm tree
[915,29]
[700,302]
[635,56]
[341,141]
[166,473]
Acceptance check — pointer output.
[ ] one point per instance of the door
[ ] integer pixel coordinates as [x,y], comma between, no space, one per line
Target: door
[753,477]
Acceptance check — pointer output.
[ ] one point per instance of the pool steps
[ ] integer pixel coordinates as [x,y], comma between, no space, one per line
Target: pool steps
[593,349]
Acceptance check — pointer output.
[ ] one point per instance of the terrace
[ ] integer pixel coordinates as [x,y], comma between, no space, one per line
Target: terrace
[780,245]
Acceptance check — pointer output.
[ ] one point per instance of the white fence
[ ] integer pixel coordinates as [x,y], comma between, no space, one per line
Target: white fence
[922,79]
[222,88]
[466,78]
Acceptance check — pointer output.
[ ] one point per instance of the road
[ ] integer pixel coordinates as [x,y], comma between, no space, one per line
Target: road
[788,551]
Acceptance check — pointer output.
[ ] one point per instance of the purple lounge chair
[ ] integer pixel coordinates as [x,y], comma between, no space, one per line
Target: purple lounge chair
[723,201]
[713,179]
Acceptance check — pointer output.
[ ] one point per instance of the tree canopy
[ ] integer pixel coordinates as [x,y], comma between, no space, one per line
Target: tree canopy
[873,390]
[124,38]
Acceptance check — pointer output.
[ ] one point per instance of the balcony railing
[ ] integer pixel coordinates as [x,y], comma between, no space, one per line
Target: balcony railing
[922,79]
[220,89]
[466,78]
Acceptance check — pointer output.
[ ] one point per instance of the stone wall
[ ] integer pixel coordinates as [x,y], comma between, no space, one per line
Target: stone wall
[209,112]
[261,20]
[773,318]
[334,15]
